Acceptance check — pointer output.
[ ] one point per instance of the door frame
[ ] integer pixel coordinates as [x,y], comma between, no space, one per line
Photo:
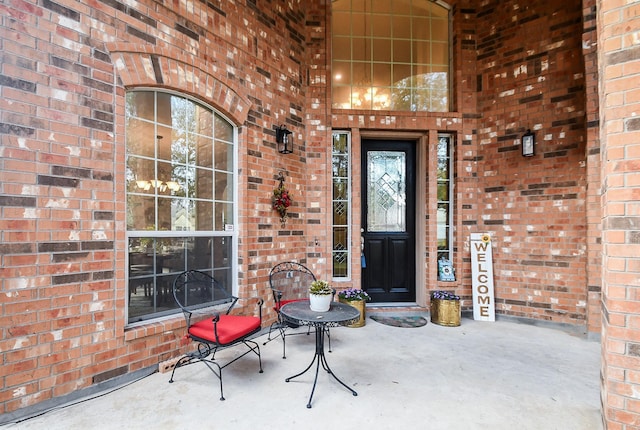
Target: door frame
[423,141]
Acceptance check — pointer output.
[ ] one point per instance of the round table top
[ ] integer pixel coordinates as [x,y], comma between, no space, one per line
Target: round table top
[300,313]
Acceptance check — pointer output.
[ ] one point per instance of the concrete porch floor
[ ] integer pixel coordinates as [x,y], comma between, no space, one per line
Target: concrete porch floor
[480,375]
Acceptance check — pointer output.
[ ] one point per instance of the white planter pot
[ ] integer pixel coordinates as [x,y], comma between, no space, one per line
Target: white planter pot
[320,303]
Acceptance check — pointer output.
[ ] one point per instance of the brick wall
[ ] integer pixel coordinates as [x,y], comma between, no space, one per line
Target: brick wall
[65,67]
[619,60]
[593,203]
[265,63]
[516,67]
[531,76]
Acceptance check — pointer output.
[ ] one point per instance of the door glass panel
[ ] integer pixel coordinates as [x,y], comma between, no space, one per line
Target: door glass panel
[386,191]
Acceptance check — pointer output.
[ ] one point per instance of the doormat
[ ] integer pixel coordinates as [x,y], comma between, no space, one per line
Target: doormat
[404,321]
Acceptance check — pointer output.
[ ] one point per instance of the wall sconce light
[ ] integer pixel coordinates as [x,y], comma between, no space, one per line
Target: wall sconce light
[528,142]
[284,138]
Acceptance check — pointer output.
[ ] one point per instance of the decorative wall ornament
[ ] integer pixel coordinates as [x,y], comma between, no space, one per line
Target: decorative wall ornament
[281,200]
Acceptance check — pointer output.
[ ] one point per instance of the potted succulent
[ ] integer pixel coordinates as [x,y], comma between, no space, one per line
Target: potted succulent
[356,298]
[320,295]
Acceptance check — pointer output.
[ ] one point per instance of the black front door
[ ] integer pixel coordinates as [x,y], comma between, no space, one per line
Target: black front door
[388,220]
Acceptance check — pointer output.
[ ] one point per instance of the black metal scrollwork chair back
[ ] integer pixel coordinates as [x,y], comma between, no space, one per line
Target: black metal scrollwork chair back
[289,282]
[200,295]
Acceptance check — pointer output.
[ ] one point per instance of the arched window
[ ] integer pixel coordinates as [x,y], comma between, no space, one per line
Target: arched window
[390,55]
[180,175]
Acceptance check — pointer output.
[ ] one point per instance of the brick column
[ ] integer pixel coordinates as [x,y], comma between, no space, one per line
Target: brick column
[592,152]
[619,70]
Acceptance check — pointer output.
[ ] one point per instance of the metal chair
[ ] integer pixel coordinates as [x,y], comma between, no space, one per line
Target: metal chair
[199,294]
[289,282]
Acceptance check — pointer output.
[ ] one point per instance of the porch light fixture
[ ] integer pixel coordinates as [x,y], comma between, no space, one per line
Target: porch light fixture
[528,142]
[284,138]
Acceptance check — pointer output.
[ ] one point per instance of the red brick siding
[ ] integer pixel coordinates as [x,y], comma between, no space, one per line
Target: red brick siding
[593,203]
[531,76]
[515,68]
[618,60]
[264,64]
[62,195]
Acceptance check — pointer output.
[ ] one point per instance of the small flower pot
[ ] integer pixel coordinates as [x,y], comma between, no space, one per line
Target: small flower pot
[320,303]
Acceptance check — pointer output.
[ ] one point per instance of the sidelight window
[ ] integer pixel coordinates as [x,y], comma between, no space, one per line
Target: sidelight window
[444,214]
[341,203]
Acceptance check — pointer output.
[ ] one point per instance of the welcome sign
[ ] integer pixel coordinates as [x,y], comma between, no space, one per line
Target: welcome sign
[484,308]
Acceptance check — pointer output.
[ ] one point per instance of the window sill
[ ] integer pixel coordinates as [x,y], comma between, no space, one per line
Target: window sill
[154,327]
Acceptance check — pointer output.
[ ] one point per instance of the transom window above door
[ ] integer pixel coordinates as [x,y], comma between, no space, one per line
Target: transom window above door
[390,55]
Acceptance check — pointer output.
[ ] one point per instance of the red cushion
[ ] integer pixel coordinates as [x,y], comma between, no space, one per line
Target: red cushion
[284,302]
[230,328]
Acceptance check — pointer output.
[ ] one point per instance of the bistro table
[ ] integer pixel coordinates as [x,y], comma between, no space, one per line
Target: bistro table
[300,313]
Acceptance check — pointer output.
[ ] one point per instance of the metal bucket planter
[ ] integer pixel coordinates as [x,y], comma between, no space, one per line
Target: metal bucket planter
[360,306]
[445,311]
